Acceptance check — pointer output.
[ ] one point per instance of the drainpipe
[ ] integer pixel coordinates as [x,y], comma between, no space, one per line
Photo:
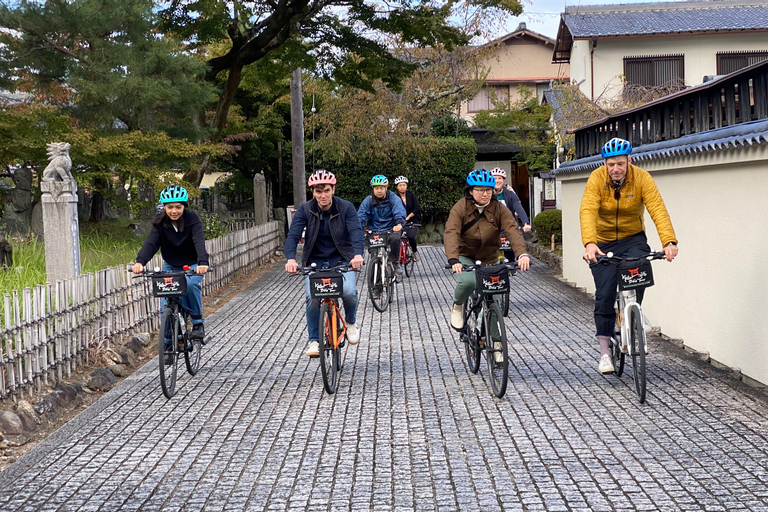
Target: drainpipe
[592,67]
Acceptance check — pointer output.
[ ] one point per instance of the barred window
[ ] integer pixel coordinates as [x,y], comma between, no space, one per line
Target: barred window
[485,97]
[728,62]
[654,70]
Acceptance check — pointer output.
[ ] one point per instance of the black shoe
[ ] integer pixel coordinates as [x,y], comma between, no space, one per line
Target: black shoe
[168,359]
[198,332]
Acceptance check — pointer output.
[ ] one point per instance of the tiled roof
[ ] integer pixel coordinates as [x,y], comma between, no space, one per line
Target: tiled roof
[719,139]
[668,20]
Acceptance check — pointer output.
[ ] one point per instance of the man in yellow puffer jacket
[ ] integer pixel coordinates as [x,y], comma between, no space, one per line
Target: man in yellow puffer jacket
[611,214]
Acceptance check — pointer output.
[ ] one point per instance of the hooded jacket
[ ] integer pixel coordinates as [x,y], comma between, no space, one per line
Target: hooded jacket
[606,219]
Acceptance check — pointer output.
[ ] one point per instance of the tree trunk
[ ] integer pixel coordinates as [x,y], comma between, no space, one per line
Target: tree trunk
[297,137]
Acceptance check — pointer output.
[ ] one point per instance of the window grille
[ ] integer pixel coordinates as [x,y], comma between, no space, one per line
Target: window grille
[728,62]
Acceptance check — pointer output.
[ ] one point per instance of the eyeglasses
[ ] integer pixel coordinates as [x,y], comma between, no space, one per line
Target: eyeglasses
[484,191]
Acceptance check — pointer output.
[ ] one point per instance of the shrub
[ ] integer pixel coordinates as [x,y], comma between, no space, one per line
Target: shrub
[548,223]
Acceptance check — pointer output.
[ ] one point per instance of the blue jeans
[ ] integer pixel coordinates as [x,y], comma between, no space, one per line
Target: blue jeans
[349,298]
[192,302]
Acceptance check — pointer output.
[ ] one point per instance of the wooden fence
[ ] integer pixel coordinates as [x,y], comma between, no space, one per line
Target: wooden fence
[48,332]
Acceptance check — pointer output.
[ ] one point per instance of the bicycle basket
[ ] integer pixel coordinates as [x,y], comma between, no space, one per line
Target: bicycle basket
[377,239]
[169,285]
[492,279]
[326,285]
[635,274]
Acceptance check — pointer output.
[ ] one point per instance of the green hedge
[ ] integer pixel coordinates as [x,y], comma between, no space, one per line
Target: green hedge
[436,170]
[547,223]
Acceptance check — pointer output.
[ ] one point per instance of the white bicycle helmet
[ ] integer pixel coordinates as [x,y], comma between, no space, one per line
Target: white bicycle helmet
[498,171]
[322,177]
[401,179]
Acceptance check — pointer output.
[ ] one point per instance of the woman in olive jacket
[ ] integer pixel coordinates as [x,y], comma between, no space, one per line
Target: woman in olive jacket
[472,232]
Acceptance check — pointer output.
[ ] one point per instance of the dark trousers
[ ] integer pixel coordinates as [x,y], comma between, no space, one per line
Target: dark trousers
[606,280]
[412,232]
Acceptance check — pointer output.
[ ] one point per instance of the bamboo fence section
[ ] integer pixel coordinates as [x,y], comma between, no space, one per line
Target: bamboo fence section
[47,332]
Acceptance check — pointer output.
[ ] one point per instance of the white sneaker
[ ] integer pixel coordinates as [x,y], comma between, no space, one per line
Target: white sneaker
[353,335]
[314,349]
[457,317]
[606,366]
[497,354]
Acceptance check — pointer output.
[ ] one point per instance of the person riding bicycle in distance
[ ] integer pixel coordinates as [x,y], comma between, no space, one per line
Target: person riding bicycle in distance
[384,211]
[333,237]
[178,233]
[472,232]
[611,215]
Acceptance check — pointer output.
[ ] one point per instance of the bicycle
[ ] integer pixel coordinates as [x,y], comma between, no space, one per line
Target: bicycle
[172,286]
[380,275]
[327,285]
[629,334]
[406,253]
[490,281]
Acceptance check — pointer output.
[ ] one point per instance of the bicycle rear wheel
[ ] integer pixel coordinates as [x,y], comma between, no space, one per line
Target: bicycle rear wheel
[472,334]
[637,341]
[505,304]
[496,350]
[392,281]
[328,354]
[617,356]
[192,356]
[409,262]
[378,291]
[168,354]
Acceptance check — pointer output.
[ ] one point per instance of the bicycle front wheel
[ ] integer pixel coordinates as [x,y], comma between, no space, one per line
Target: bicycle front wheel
[378,291]
[637,341]
[472,334]
[496,350]
[409,263]
[168,353]
[328,354]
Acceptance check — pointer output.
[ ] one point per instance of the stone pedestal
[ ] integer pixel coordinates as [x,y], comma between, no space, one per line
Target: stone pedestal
[62,231]
[259,199]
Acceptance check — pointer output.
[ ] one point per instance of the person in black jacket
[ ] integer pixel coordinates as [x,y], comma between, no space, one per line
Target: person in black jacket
[333,237]
[178,233]
[412,211]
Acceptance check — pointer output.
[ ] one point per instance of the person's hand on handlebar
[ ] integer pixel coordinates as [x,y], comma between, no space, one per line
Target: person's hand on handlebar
[670,251]
[201,269]
[397,228]
[291,267]
[591,251]
[137,268]
[457,267]
[526,228]
[357,261]
[523,262]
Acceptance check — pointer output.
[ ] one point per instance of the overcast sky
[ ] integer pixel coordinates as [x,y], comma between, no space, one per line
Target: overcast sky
[543,16]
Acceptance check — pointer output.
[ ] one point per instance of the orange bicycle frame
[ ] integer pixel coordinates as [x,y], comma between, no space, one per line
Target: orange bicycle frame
[335,335]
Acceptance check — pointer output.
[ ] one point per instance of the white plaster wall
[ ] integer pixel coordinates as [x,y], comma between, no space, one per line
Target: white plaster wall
[714,295]
[699,51]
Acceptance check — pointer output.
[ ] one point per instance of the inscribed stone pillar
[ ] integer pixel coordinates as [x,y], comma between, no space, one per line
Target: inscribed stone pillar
[259,199]
[59,200]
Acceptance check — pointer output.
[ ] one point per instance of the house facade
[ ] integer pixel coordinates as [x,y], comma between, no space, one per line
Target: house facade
[670,45]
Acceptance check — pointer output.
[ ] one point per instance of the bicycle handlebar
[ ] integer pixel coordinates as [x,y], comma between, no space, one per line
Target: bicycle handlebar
[609,257]
[510,265]
[161,273]
[305,271]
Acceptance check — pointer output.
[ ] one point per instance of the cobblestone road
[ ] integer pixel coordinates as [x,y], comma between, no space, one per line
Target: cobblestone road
[410,428]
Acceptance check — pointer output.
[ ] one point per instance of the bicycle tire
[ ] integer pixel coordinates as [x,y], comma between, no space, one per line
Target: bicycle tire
[192,356]
[637,339]
[505,304]
[617,356]
[392,282]
[498,371]
[471,331]
[378,292]
[409,261]
[328,354]
[168,371]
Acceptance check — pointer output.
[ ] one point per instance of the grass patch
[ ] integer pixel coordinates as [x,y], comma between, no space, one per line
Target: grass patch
[107,244]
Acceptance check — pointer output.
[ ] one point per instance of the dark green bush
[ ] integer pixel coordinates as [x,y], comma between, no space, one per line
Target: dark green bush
[436,171]
[547,223]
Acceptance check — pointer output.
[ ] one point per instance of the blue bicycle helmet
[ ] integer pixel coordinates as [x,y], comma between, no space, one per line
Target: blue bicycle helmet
[379,180]
[174,194]
[616,147]
[481,178]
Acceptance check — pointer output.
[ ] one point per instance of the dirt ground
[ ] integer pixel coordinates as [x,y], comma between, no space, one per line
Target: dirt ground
[10,450]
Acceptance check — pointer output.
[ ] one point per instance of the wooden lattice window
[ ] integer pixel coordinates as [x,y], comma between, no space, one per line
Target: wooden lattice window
[655,70]
[728,62]
[485,97]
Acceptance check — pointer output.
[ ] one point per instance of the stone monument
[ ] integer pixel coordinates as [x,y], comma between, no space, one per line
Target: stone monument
[62,231]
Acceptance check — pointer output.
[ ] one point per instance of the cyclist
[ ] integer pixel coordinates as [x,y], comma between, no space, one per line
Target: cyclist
[178,233]
[333,236]
[383,211]
[412,211]
[611,214]
[472,233]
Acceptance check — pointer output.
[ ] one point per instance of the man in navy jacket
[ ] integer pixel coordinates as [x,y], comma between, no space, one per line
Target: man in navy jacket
[333,237]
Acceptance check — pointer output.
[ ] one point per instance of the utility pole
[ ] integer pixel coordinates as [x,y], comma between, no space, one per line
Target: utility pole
[297,138]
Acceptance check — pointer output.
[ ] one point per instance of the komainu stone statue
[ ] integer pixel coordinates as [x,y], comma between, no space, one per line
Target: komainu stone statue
[60,164]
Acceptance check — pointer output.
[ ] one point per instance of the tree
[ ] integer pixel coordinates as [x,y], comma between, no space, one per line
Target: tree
[523,123]
[349,40]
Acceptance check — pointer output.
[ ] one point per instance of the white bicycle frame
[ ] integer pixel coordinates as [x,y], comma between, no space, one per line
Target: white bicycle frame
[626,300]
[381,255]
